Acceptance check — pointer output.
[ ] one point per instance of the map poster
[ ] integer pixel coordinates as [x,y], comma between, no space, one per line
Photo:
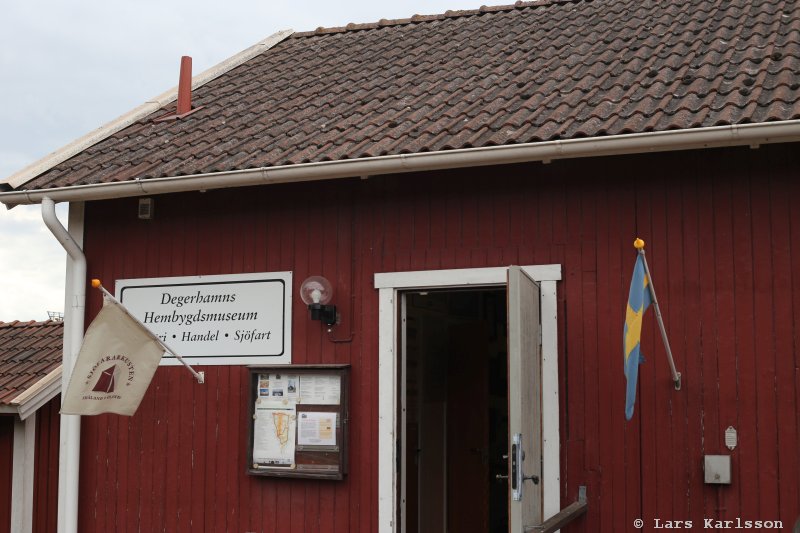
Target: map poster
[274,429]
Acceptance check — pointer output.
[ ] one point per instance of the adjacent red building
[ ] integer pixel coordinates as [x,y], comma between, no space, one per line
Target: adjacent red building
[412,163]
[30,383]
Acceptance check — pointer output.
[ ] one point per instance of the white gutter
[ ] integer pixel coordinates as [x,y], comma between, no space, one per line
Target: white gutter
[75,305]
[690,139]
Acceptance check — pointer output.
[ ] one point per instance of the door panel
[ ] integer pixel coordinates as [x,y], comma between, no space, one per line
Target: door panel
[524,401]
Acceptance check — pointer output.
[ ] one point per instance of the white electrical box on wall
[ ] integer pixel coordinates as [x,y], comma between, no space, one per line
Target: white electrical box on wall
[717,469]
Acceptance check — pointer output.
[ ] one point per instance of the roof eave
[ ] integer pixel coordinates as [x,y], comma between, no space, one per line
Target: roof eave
[37,395]
[635,143]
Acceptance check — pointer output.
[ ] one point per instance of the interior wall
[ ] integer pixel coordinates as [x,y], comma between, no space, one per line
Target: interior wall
[456,410]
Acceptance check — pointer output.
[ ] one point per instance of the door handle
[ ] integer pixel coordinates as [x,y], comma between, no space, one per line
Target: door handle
[517,456]
[517,475]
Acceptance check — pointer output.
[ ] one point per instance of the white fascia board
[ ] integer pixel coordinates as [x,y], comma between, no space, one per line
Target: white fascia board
[150,106]
[38,394]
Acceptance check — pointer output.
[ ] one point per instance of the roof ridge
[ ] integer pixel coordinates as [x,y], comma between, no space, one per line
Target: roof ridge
[416,19]
[21,324]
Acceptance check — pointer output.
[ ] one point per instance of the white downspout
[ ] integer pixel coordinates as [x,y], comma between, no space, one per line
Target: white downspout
[74,311]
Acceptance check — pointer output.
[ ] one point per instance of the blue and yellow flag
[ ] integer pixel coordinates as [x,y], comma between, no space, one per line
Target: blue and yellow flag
[639,300]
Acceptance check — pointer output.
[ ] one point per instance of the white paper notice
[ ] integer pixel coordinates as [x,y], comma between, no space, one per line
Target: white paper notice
[274,431]
[281,386]
[319,390]
[317,429]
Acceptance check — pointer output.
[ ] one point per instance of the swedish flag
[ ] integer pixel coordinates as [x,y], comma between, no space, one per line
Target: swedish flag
[639,300]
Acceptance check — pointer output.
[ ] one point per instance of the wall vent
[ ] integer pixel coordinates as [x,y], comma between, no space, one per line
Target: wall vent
[145,208]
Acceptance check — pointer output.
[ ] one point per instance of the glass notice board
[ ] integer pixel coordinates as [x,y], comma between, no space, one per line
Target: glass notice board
[298,421]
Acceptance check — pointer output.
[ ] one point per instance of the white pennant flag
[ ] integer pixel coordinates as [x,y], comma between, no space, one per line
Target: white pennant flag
[115,365]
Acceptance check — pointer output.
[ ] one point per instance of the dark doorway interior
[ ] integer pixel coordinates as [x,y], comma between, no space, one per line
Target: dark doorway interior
[456,411]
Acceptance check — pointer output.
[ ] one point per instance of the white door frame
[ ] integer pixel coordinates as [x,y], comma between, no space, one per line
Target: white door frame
[388,285]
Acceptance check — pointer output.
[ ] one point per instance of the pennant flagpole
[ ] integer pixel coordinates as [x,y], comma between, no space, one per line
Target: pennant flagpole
[199,376]
[676,376]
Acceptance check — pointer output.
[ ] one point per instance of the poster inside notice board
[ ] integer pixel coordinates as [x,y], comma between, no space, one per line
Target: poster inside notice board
[299,416]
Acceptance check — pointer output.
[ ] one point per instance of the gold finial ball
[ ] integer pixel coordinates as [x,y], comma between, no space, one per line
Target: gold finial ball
[95,283]
[638,244]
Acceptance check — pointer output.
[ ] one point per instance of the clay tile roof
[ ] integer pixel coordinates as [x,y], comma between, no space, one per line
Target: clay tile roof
[28,352]
[521,73]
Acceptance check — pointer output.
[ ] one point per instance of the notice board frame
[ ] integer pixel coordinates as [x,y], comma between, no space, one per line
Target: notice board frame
[310,462]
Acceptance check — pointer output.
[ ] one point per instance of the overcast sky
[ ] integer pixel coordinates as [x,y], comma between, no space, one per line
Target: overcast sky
[67,68]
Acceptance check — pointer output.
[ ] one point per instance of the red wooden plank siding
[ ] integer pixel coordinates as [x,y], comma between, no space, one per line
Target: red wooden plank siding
[786,366]
[689,352]
[6,467]
[723,242]
[744,325]
[614,202]
[764,343]
[792,189]
[45,472]
[713,241]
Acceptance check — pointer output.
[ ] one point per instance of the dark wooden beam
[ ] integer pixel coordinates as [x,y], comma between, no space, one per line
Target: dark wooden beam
[563,517]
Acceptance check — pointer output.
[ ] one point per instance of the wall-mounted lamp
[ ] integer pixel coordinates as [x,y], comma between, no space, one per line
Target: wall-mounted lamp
[316,292]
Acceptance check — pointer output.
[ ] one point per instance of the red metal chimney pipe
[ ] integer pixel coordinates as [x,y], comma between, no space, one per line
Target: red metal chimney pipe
[185,86]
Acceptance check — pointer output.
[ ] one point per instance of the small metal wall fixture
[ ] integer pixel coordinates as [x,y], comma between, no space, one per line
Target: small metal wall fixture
[731,437]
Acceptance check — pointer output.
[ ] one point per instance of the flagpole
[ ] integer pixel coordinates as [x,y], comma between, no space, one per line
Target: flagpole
[199,376]
[676,376]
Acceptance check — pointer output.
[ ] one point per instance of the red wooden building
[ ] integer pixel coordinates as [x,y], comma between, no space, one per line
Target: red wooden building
[30,383]
[411,162]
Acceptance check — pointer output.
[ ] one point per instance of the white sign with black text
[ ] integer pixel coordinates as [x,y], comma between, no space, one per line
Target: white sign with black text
[216,320]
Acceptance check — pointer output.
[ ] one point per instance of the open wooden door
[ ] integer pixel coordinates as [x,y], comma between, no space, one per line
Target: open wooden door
[524,402]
